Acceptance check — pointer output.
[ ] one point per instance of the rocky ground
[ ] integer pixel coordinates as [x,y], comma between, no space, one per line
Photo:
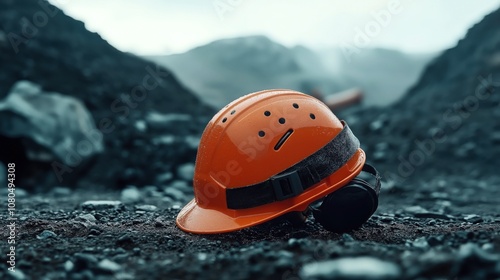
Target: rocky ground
[437,229]
[437,148]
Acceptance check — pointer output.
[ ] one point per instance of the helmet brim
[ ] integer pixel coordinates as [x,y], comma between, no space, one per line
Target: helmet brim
[195,219]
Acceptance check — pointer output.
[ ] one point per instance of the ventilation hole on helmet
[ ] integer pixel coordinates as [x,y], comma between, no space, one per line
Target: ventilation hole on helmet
[224,120]
[283,139]
[281,120]
[262,133]
[295,105]
[267,113]
[233,111]
[312,116]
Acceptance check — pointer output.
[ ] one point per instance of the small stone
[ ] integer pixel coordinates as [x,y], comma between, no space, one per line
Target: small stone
[46,234]
[130,194]
[152,191]
[84,261]
[180,185]
[386,219]
[435,240]
[101,205]
[473,218]
[120,250]
[89,249]
[285,259]
[168,200]
[124,239]
[17,275]
[487,246]
[420,242]
[88,218]
[351,268]
[175,194]
[21,193]
[379,155]
[176,207]
[192,141]
[147,208]
[376,125]
[68,265]
[347,237]
[293,242]
[109,266]
[158,222]
[140,125]
[417,209]
[123,276]
[165,177]
[137,251]
[186,171]
[472,251]
[202,256]
[439,195]
[60,191]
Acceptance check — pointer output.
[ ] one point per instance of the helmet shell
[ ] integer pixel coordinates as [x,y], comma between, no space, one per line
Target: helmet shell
[252,139]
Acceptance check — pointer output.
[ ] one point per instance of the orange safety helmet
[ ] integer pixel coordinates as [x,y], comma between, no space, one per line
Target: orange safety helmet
[266,154]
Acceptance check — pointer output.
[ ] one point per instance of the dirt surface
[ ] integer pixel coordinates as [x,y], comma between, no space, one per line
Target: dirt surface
[415,233]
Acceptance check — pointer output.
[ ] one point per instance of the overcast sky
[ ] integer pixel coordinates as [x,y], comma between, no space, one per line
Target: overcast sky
[163,27]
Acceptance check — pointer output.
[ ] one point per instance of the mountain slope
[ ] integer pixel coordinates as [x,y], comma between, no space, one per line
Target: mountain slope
[39,43]
[448,122]
[383,74]
[229,68]
[226,69]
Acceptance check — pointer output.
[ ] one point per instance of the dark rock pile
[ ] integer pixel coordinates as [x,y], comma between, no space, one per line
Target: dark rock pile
[150,122]
[51,128]
[447,124]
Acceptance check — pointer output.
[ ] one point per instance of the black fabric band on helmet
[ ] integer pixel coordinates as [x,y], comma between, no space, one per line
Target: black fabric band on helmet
[294,180]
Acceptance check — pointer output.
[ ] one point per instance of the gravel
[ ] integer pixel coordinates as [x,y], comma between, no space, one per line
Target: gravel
[130,194]
[46,234]
[101,204]
[132,242]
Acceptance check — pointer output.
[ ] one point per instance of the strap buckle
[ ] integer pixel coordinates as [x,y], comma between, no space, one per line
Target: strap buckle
[286,185]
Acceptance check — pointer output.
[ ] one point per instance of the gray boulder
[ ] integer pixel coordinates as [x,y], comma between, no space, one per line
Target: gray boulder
[47,135]
[50,125]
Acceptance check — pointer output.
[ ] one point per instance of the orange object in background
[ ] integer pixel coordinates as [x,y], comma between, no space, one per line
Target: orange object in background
[267,154]
[343,99]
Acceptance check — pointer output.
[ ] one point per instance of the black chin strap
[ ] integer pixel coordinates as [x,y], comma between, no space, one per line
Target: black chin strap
[294,180]
[371,170]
